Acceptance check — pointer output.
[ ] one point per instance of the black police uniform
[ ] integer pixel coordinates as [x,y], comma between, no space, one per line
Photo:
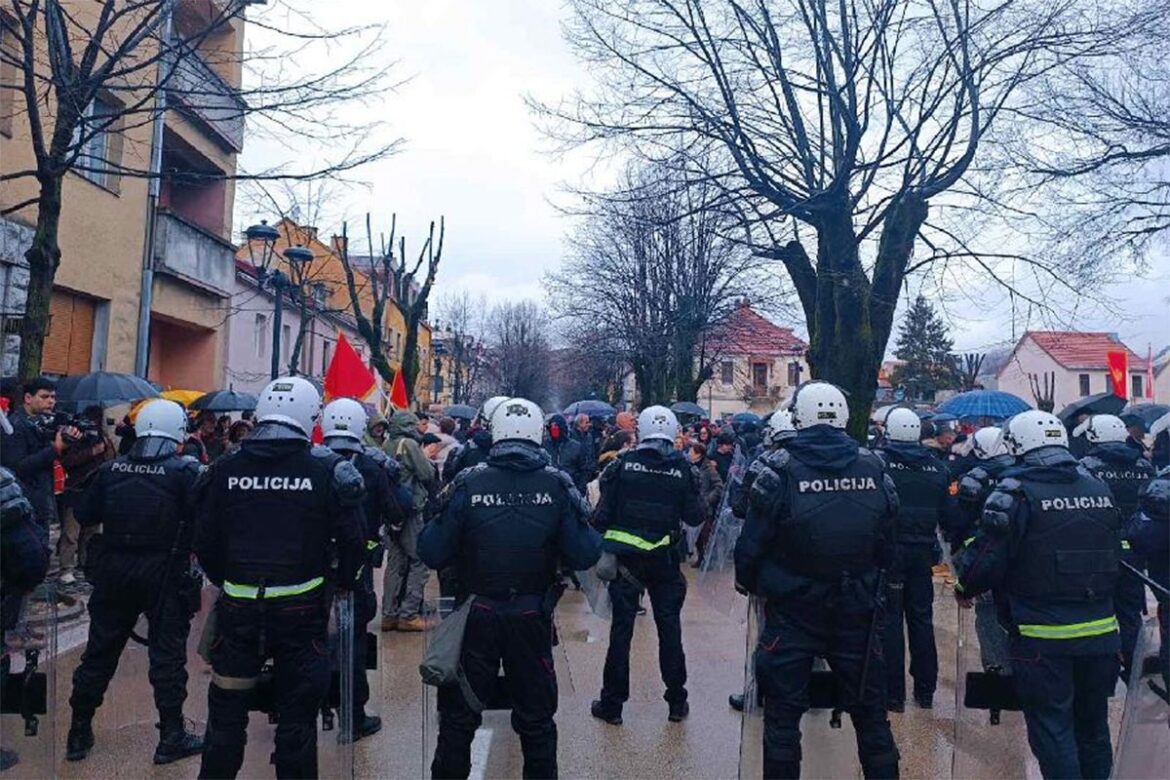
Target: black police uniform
[472,453]
[143,501]
[923,484]
[384,506]
[646,495]
[1148,533]
[1050,539]
[1126,472]
[507,526]
[271,516]
[818,532]
[973,489]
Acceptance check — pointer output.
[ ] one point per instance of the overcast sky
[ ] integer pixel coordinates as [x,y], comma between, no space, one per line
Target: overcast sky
[473,154]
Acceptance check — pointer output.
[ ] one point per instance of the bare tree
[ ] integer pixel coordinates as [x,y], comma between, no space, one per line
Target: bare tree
[389,282]
[847,117]
[652,276]
[460,317]
[88,74]
[519,350]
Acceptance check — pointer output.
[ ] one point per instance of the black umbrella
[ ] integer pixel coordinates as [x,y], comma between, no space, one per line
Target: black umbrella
[225,401]
[102,388]
[688,407]
[1143,414]
[588,407]
[1100,403]
[461,411]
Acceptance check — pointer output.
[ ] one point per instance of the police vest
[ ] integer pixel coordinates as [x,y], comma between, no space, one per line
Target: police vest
[143,502]
[1069,550]
[509,540]
[371,471]
[650,496]
[275,512]
[836,518]
[1125,480]
[922,493]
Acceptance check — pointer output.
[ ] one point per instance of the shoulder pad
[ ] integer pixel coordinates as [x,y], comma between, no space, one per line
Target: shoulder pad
[775,460]
[611,470]
[561,476]
[996,517]
[1092,462]
[1010,485]
[348,483]
[323,452]
[971,486]
[375,454]
[765,487]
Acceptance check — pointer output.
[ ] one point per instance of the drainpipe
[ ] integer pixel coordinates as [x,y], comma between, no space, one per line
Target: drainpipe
[146,291]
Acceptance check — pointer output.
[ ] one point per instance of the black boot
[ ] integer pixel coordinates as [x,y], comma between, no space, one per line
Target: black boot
[679,710]
[735,701]
[365,725]
[8,759]
[611,715]
[175,743]
[80,740]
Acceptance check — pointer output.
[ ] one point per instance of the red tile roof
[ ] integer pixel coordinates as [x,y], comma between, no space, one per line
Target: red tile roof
[747,333]
[1073,349]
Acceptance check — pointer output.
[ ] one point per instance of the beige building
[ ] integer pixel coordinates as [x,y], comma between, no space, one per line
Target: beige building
[758,365]
[95,309]
[1076,361]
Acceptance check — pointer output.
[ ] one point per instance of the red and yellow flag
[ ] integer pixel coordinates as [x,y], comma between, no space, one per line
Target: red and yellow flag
[348,376]
[1118,371]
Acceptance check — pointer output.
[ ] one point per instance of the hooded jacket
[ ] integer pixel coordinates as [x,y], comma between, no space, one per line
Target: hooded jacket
[566,453]
[418,474]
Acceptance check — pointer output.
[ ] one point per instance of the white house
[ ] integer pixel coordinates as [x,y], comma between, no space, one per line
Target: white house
[1076,361]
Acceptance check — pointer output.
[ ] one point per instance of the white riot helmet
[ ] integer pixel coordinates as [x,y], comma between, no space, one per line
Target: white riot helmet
[489,408]
[819,403]
[1102,428]
[344,418]
[1033,430]
[292,401]
[903,425]
[779,427]
[987,443]
[517,418]
[162,418]
[657,422]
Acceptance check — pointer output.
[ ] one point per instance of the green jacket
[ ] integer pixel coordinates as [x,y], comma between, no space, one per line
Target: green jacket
[418,473]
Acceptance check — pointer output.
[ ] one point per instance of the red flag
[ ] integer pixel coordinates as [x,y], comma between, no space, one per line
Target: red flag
[398,397]
[1118,370]
[348,376]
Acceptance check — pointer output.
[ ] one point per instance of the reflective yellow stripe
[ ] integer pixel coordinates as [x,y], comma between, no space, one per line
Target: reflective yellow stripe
[637,542]
[1125,544]
[371,545]
[1072,630]
[968,540]
[273,592]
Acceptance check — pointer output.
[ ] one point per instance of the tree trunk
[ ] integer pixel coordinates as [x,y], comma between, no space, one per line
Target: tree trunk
[44,257]
[410,352]
[294,359]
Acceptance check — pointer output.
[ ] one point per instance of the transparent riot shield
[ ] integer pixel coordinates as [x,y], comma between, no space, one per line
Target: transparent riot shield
[336,723]
[1144,743]
[990,738]
[28,694]
[751,736]
[596,592]
[717,568]
[440,607]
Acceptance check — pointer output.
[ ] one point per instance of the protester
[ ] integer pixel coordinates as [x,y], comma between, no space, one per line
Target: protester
[566,453]
[444,444]
[34,444]
[405,575]
[724,453]
[81,462]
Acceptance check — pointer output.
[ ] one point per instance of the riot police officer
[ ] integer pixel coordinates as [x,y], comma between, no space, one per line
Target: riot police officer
[1149,534]
[923,486]
[818,533]
[1121,467]
[272,519]
[1050,538]
[507,527]
[143,501]
[387,505]
[475,450]
[647,494]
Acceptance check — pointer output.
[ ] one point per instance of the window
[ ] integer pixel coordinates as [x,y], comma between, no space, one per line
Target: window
[326,346]
[101,147]
[726,372]
[759,375]
[793,374]
[1108,383]
[1136,382]
[285,342]
[1084,380]
[260,334]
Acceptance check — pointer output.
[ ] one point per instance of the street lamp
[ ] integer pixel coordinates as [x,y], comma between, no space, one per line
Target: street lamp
[263,237]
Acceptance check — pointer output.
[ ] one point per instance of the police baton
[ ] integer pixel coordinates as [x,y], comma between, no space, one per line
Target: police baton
[1159,590]
[879,603]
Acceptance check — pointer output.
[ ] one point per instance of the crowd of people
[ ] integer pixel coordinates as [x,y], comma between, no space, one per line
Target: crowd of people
[837,543]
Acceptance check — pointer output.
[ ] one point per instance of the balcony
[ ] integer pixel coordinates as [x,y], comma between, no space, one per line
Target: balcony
[190,253]
[208,101]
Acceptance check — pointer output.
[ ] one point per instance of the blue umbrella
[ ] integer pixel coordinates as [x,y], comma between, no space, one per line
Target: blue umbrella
[743,417]
[589,408]
[994,404]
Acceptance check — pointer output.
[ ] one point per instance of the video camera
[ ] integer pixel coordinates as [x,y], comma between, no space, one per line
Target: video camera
[51,422]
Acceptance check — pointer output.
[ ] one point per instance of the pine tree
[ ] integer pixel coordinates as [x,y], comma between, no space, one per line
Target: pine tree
[925,347]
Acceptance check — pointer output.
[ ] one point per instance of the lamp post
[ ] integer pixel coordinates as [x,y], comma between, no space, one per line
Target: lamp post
[265,235]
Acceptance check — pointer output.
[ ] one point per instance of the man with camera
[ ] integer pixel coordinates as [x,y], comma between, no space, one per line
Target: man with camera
[33,445]
[81,459]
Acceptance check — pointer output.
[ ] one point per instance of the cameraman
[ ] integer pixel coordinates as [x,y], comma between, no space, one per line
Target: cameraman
[33,445]
[81,460]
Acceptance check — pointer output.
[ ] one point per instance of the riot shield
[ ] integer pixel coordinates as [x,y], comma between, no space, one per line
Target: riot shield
[335,732]
[28,695]
[751,736]
[596,592]
[440,608]
[990,738]
[717,568]
[1144,742]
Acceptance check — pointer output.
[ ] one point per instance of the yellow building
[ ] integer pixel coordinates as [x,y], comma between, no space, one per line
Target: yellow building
[95,309]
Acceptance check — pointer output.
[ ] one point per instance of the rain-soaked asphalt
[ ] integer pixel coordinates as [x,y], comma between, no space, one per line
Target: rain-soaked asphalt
[707,745]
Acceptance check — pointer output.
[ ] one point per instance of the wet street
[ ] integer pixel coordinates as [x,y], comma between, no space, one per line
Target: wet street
[707,745]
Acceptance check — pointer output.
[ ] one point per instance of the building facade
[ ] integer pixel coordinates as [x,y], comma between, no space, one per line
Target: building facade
[1076,362]
[106,218]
